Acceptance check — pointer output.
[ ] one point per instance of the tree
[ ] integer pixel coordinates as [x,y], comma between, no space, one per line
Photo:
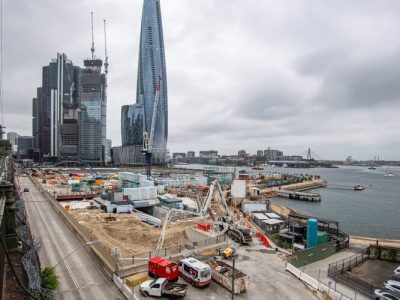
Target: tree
[49,282]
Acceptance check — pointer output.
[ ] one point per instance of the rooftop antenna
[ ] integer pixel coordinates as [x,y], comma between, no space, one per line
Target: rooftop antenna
[105,49]
[92,49]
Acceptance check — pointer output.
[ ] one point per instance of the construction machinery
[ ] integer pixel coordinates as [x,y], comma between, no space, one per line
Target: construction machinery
[218,211]
[228,252]
[96,174]
[148,137]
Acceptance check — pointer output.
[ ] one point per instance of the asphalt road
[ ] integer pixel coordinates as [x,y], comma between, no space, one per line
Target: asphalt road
[79,275]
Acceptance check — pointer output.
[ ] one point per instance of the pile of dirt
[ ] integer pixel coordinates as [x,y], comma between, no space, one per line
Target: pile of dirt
[128,233]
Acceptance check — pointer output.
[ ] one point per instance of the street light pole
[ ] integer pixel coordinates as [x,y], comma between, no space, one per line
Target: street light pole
[80,247]
[233,276]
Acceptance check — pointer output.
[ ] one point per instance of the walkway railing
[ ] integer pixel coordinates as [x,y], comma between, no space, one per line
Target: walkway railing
[338,271]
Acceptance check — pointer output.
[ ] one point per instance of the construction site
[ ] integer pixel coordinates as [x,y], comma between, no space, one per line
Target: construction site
[207,217]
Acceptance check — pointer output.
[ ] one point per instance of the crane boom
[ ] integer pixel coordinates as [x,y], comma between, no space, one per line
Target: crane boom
[202,212]
[105,49]
[154,115]
[148,137]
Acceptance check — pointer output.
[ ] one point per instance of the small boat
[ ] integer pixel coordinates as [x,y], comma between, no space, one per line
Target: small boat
[389,174]
[284,166]
[371,168]
[359,187]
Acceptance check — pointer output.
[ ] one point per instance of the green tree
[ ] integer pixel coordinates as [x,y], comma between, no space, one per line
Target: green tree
[49,282]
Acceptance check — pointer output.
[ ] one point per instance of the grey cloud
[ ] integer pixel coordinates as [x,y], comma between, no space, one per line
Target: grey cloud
[241,74]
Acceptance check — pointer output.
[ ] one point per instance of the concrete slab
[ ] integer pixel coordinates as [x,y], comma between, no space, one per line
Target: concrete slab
[374,272]
[268,280]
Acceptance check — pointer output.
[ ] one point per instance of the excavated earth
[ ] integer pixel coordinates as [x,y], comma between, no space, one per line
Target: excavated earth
[128,233]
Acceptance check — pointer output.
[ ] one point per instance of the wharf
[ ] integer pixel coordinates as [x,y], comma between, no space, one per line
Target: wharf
[75,197]
[312,197]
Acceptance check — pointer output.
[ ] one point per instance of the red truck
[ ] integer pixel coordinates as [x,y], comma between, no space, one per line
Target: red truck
[159,267]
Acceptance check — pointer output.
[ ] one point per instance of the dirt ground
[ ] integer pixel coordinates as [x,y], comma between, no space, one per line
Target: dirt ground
[366,241]
[283,210]
[128,233]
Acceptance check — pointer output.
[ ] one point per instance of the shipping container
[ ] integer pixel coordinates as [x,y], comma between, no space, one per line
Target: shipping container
[159,267]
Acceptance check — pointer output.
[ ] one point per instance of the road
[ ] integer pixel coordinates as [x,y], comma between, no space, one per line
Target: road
[79,275]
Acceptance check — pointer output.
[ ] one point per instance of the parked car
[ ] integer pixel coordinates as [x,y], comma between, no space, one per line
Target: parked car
[396,277]
[397,271]
[160,287]
[26,190]
[392,285]
[385,294]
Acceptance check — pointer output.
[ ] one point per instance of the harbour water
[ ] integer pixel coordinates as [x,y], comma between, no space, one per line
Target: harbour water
[373,212]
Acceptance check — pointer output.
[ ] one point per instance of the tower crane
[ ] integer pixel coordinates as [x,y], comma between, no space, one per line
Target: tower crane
[105,50]
[148,137]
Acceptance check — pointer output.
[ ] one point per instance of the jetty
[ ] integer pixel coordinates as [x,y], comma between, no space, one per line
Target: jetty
[312,197]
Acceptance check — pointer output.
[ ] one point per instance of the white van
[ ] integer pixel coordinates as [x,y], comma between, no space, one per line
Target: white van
[195,272]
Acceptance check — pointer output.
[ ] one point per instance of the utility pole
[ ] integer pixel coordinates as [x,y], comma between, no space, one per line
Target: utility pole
[233,276]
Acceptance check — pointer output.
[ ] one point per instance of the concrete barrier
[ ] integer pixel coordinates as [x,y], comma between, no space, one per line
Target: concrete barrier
[314,283]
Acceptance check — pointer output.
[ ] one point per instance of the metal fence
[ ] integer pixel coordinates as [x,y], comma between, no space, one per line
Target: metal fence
[347,263]
[339,271]
[125,264]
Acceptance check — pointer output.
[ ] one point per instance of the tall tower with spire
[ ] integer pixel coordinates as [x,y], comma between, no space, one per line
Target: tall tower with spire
[151,67]
[137,118]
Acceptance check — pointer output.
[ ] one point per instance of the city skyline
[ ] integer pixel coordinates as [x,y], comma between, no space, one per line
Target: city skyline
[310,78]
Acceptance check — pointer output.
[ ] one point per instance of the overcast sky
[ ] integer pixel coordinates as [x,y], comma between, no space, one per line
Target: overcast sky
[241,74]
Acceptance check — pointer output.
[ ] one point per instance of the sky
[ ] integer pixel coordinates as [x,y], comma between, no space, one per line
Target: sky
[241,74]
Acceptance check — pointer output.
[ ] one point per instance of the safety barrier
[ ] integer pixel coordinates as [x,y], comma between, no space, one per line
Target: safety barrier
[263,239]
[315,283]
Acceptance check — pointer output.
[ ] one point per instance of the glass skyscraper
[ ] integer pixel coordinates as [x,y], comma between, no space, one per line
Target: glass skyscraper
[137,118]
[92,104]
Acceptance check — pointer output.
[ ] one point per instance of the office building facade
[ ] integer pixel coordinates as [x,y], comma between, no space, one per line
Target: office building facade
[12,138]
[54,121]
[137,118]
[69,112]
[92,130]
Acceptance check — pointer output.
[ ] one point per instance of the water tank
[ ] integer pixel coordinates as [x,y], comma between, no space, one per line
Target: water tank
[312,232]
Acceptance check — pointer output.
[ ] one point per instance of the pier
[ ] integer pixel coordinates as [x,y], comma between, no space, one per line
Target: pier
[312,197]
[75,197]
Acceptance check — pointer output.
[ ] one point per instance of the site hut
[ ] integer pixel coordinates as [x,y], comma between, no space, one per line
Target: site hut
[328,229]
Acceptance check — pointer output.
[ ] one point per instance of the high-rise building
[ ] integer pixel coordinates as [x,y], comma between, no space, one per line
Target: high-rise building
[24,146]
[55,123]
[242,153]
[12,138]
[137,118]
[271,154]
[191,154]
[92,130]
[69,112]
[36,131]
